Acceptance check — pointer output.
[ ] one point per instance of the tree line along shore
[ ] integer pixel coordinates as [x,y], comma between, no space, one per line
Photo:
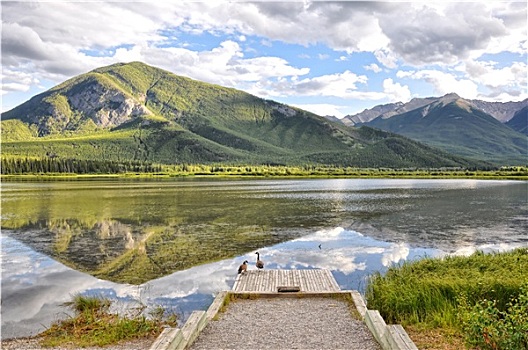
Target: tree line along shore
[56,167]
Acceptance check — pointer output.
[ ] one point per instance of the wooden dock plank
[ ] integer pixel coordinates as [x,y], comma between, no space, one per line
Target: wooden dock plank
[319,280]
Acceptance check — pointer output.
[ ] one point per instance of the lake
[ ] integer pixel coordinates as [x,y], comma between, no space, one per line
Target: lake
[175,243]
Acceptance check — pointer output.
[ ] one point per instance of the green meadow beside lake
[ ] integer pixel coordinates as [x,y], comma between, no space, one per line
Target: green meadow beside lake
[482,298]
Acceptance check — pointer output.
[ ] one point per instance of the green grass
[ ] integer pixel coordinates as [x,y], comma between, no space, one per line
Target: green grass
[439,292]
[94,325]
[16,130]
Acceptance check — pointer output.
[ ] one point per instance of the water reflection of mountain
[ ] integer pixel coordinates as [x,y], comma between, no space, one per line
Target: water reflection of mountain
[135,253]
[135,231]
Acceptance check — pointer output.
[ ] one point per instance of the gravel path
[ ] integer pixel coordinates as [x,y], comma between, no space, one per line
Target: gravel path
[286,323]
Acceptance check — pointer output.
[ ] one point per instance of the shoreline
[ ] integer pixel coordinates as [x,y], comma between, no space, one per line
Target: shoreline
[491,175]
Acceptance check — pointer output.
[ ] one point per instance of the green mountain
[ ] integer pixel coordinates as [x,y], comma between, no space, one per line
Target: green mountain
[458,127]
[519,121]
[135,112]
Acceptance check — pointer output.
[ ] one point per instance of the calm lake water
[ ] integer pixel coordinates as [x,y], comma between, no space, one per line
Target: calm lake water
[176,243]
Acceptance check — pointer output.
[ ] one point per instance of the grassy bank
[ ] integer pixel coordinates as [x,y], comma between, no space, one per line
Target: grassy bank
[94,325]
[482,299]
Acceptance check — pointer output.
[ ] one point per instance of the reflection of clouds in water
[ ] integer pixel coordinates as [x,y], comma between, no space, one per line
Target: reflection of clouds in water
[33,288]
[339,251]
[486,248]
[324,235]
[394,254]
[335,259]
[34,285]
[204,279]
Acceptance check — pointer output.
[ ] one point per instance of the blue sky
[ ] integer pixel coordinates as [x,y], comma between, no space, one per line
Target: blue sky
[332,58]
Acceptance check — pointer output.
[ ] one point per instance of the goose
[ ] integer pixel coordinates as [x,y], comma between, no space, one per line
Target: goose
[259,264]
[243,268]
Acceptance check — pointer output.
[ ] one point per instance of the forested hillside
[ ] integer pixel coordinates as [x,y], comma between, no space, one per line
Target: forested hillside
[133,115]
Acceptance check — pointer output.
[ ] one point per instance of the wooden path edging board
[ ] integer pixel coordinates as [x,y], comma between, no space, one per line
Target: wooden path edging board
[390,337]
[180,339]
[177,339]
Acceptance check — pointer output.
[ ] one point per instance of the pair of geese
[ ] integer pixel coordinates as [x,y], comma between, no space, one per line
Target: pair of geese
[259,264]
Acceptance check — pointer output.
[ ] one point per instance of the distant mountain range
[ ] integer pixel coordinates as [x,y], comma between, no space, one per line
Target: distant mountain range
[490,131]
[136,112]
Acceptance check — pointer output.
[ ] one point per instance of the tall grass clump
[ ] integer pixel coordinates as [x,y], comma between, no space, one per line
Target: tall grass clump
[449,292]
[94,325]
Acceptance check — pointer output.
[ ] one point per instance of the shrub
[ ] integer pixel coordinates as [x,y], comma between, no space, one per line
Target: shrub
[487,327]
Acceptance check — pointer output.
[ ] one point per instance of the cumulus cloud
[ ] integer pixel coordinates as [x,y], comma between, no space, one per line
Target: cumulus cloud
[444,83]
[343,85]
[513,16]
[373,67]
[323,109]
[396,92]
[23,43]
[16,81]
[441,34]
[340,84]
[53,41]
[487,74]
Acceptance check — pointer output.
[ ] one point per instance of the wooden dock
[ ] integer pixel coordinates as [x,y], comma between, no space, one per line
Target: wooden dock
[274,281]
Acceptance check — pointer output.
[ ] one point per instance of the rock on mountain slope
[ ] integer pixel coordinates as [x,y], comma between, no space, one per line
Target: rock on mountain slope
[369,114]
[502,111]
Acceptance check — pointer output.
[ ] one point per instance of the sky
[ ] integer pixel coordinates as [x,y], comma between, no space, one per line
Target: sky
[331,58]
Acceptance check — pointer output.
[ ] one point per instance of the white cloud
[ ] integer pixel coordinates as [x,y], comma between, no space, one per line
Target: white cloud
[6,88]
[513,16]
[486,74]
[441,34]
[444,83]
[52,41]
[373,67]
[340,84]
[323,109]
[343,85]
[386,58]
[396,92]
[13,80]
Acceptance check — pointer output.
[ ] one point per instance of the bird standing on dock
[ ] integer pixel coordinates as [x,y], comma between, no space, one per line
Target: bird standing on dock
[243,268]
[259,264]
